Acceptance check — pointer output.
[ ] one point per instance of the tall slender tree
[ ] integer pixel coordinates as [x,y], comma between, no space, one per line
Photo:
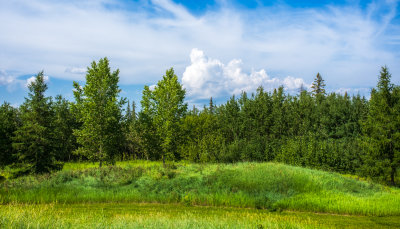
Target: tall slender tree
[99,107]
[382,130]
[170,107]
[211,106]
[162,110]
[34,141]
[318,86]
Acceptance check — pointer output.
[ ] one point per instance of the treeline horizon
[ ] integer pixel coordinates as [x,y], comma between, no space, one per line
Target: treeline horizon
[328,131]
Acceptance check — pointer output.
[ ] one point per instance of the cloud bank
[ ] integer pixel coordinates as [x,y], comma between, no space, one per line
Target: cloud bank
[206,77]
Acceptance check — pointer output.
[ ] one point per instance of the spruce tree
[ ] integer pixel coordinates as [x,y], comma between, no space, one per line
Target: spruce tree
[34,141]
[211,106]
[382,130]
[101,136]
[318,86]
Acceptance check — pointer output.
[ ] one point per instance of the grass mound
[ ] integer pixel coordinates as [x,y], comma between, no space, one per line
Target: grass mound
[256,185]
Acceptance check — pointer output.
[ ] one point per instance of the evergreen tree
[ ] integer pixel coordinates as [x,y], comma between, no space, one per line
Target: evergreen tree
[382,130]
[34,141]
[101,136]
[8,125]
[132,138]
[318,86]
[64,124]
[211,106]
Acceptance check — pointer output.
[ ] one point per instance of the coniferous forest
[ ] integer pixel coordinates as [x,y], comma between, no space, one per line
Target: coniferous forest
[313,128]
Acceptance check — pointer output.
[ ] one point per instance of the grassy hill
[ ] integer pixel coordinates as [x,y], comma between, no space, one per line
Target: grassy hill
[271,186]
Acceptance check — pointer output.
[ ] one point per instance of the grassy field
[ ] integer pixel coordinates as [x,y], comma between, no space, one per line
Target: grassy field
[145,194]
[117,215]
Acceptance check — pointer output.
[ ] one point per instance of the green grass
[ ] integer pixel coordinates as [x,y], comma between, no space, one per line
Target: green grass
[116,215]
[271,186]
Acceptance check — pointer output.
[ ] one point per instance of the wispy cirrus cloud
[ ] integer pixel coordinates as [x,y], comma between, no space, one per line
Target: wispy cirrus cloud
[345,43]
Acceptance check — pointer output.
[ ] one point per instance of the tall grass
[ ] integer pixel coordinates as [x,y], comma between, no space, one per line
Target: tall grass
[256,185]
[172,216]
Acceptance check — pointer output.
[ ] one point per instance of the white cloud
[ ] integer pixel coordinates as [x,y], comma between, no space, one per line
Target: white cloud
[152,87]
[344,43]
[206,77]
[6,79]
[75,70]
[353,91]
[33,79]
[11,82]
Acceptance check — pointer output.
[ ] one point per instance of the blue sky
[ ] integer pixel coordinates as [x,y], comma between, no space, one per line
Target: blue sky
[217,48]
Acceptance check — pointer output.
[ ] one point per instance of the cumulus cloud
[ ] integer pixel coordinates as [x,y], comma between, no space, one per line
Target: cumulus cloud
[207,77]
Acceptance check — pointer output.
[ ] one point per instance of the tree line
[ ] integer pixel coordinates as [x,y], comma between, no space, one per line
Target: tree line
[329,131]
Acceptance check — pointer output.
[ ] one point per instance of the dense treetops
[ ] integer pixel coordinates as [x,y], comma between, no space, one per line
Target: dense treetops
[313,129]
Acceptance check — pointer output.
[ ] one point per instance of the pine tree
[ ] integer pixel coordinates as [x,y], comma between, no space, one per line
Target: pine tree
[34,141]
[382,130]
[211,106]
[101,136]
[318,86]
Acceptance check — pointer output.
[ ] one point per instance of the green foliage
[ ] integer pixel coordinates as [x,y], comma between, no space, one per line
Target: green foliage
[132,145]
[99,111]
[318,86]
[381,131]
[314,129]
[34,140]
[64,124]
[163,109]
[9,122]
[202,140]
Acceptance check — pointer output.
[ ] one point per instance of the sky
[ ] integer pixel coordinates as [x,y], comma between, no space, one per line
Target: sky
[217,48]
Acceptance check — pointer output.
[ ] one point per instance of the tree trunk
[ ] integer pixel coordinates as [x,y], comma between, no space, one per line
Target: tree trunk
[163,159]
[392,173]
[101,155]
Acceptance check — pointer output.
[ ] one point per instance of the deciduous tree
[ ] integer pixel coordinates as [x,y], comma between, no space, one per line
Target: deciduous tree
[99,109]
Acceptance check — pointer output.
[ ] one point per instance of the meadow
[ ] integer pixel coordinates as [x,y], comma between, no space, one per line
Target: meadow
[134,215]
[187,195]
